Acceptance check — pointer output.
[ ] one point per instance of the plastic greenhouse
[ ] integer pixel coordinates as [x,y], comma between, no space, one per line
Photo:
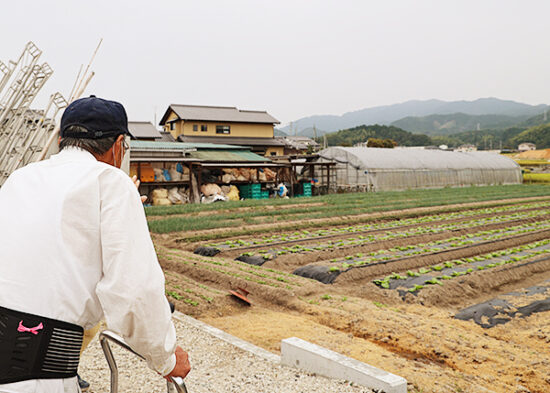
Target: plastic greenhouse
[375,169]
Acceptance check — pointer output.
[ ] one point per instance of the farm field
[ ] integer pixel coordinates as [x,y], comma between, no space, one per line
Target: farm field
[447,288]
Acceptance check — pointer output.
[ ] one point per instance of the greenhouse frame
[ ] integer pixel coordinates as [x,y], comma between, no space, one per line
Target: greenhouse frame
[376,169]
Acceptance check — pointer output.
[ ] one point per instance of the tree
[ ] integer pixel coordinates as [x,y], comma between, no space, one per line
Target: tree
[352,136]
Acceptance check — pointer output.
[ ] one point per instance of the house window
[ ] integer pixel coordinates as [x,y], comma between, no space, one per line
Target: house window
[195,127]
[223,129]
[172,126]
[273,153]
[204,127]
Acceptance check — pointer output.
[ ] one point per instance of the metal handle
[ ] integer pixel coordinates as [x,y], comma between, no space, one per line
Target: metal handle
[175,384]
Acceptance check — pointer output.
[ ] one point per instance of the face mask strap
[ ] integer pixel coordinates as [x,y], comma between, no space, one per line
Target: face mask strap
[114,157]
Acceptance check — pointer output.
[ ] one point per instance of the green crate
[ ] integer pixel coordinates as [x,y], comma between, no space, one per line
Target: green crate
[306,190]
[250,191]
[245,188]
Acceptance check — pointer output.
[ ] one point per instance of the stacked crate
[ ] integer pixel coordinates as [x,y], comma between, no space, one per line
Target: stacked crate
[306,190]
[251,191]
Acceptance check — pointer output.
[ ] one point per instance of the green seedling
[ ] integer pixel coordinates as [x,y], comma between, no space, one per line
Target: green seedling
[174,295]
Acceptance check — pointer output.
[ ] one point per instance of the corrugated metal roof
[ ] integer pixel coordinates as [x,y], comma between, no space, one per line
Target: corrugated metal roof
[219,113]
[143,129]
[227,155]
[239,141]
[376,158]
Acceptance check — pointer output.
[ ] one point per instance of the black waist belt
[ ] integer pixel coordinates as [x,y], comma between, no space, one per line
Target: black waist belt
[35,347]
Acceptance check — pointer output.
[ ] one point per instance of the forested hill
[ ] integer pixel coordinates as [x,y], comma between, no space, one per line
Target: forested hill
[387,114]
[360,134]
[454,123]
[539,135]
[508,138]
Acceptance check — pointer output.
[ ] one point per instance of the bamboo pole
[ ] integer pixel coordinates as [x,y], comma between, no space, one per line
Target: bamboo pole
[80,87]
[55,132]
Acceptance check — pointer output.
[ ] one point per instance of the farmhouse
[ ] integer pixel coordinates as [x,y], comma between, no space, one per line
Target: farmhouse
[374,169]
[223,125]
[298,144]
[466,148]
[527,147]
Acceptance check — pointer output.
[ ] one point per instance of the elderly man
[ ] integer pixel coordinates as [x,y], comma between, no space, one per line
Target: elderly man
[75,247]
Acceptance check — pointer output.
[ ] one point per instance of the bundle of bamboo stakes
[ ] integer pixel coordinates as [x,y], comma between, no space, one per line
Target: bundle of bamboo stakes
[27,134]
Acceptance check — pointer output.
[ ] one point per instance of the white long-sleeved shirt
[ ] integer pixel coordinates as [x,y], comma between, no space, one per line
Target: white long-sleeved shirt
[75,246]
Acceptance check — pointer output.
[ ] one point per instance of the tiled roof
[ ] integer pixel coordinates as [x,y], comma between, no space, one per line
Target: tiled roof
[143,129]
[218,113]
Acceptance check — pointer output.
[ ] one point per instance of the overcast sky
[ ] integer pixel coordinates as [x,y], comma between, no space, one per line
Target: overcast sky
[292,58]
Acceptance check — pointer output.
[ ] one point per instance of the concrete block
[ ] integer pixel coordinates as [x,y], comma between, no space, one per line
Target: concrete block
[301,354]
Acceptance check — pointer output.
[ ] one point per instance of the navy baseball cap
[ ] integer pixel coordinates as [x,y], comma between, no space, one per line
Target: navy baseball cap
[101,118]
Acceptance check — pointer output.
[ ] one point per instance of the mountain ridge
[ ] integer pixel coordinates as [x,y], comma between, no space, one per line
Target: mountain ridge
[386,114]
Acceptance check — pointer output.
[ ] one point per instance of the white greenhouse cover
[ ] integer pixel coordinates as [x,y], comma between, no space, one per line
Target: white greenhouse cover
[370,158]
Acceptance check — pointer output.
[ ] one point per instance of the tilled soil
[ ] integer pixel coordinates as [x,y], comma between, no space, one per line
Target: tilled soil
[367,272]
[480,285]
[176,239]
[416,337]
[292,261]
[228,253]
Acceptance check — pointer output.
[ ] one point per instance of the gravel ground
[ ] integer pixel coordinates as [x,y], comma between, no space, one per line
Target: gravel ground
[217,366]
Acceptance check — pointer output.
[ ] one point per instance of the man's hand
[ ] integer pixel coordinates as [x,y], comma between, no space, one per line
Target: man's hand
[137,182]
[182,364]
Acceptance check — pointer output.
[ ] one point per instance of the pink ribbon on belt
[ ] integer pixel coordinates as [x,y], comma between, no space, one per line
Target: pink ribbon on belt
[33,330]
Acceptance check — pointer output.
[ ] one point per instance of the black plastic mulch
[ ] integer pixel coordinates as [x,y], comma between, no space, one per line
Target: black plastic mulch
[499,311]
[257,260]
[319,273]
[206,251]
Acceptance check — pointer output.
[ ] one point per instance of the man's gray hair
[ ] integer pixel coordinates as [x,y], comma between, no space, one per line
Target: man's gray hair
[95,146]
